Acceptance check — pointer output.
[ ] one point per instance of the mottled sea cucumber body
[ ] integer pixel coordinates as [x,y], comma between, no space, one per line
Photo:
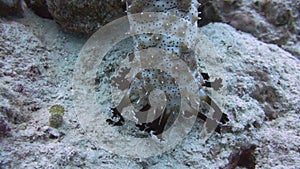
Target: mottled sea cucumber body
[164,36]
[172,43]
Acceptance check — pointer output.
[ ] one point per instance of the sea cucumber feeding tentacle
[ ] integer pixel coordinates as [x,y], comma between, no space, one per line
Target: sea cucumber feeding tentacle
[171,91]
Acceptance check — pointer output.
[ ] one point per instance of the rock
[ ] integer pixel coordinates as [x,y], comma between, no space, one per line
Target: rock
[39,7]
[12,8]
[242,158]
[54,133]
[85,16]
[293,48]
[274,21]
[261,89]
[22,85]
[261,73]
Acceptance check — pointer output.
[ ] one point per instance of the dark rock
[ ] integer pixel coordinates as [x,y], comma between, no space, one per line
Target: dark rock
[270,21]
[55,134]
[12,8]
[4,128]
[85,17]
[52,133]
[242,158]
[39,7]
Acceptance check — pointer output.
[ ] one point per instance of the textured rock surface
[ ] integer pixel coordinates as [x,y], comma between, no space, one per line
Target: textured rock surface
[39,7]
[11,8]
[275,21]
[23,85]
[85,16]
[253,67]
[269,120]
